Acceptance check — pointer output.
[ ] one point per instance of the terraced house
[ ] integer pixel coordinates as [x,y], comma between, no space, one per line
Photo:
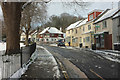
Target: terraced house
[82,33]
[106,30]
[70,33]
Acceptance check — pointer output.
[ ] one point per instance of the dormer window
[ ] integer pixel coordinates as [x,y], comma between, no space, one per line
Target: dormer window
[91,17]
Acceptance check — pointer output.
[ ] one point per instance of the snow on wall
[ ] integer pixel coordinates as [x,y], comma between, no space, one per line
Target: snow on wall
[3,46]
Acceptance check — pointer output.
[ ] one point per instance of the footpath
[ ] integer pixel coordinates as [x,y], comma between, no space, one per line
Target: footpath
[44,66]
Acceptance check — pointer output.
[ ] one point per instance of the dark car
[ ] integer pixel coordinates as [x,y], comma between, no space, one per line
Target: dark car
[61,44]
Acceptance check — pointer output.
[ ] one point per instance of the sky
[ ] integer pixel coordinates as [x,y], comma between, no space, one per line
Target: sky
[56,8]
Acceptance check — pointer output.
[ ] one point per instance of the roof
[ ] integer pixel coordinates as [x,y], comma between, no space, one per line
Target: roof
[74,25]
[116,15]
[34,32]
[108,14]
[51,30]
[82,23]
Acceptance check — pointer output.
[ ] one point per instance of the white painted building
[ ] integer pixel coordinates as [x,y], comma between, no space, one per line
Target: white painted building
[50,34]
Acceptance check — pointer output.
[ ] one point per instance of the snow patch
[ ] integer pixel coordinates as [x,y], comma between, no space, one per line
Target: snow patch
[53,44]
[108,55]
[3,46]
[55,68]
[22,70]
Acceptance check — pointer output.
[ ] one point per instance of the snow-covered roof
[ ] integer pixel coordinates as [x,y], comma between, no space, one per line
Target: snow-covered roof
[34,32]
[51,30]
[74,25]
[116,15]
[108,14]
[82,23]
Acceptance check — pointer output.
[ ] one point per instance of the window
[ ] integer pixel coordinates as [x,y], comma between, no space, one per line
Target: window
[76,31]
[102,41]
[118,38]
[83,39]
[74,40]
[91,17]
[80,28]
[72,36]
[47,35]
[23,39]
[104,24]
[87,39]
[52,34]
[69,32]
[97,41]
[59,35]
[42,40]
[80,39]
[83,28]
[47,39]
[72,30]
[97,26]
[89,27]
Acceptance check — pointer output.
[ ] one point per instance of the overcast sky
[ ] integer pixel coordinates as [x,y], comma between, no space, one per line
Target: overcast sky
[56,8]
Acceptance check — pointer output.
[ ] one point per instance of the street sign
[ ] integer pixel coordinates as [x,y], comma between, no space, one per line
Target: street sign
[97,26]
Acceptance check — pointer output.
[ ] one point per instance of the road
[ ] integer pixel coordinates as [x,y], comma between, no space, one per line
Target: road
[92,64]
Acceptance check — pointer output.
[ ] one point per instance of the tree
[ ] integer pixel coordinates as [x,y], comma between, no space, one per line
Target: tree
[34,13]
[62,21]
[12,18]
[12,15]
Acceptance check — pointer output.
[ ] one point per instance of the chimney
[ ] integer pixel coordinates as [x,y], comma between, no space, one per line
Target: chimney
[61,29]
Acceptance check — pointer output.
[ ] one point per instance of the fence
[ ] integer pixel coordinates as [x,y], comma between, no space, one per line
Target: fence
[9,64]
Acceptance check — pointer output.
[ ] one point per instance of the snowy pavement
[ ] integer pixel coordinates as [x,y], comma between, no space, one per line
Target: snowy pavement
[108,55]
[45,65]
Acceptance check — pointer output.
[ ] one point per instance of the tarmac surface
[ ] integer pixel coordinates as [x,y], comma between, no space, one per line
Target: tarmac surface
[93,65]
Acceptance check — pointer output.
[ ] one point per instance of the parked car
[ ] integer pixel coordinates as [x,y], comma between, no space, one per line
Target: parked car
[61,42]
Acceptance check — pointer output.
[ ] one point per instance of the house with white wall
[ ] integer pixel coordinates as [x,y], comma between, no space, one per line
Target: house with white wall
[50,34]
